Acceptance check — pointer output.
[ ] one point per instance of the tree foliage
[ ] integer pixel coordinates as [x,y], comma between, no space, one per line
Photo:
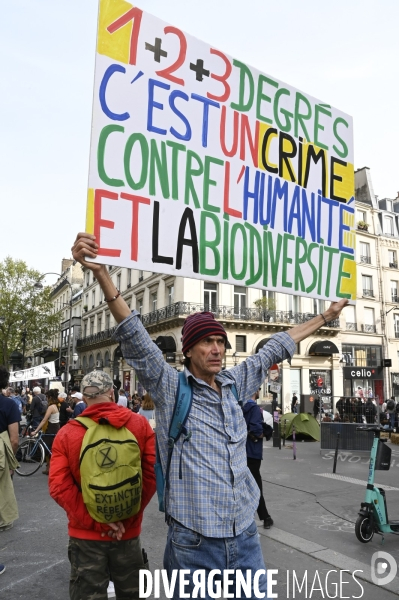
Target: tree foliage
[23,310]
[266,303]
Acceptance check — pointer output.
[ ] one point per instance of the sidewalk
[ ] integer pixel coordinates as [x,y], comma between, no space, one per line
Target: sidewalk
[314,513]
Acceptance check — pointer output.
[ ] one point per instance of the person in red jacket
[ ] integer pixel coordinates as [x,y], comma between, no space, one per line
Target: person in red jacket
[100,551]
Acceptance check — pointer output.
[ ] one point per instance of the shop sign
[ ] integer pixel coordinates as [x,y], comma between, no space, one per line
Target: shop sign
[363,373]
[395,378]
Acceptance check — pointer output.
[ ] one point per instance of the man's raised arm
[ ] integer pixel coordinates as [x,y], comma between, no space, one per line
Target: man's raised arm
[300,332]
[85,246]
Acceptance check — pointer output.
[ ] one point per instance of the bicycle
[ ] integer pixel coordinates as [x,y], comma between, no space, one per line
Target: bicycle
[31,454]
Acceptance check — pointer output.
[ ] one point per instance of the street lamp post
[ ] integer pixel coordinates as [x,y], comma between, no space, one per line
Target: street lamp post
[39,286]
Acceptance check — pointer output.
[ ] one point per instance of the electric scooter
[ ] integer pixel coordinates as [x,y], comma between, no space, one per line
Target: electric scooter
[373,514]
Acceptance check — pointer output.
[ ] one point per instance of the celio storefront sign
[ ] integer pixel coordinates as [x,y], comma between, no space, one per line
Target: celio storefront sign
[363,372]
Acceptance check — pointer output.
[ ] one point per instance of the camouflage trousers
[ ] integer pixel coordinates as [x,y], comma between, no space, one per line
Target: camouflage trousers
[93,564]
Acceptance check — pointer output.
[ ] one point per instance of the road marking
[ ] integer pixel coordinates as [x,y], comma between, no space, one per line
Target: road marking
[355,481]
[34,574]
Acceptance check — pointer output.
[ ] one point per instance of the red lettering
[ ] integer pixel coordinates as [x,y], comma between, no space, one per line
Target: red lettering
[99,222]
[253,145]
[227,209]
[136,201]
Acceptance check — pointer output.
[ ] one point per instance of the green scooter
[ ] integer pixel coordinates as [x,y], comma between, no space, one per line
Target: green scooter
[373,514]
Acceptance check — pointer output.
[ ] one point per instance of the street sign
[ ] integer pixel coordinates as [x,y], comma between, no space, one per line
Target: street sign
[64,378]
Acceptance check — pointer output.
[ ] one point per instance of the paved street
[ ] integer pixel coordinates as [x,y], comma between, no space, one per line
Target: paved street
[314,517]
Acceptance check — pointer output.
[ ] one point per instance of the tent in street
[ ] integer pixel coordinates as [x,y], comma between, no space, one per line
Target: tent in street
[305,425]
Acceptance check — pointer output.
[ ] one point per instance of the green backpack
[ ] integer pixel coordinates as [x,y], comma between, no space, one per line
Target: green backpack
[110,470]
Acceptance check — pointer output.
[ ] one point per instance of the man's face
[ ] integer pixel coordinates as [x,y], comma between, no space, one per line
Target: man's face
[207,356]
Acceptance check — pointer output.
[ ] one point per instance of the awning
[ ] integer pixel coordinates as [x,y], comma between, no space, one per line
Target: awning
[166,343]
[261,344]
[323,348]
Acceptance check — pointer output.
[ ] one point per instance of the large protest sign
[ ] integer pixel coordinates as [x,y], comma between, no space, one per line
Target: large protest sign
[203,166]
[44,371]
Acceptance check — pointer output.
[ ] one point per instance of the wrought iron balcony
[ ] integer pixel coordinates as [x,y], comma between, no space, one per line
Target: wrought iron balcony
[222,313]
[365,259]
[230,313]
[369,293]
[96,338]
[369,328]
[351,326]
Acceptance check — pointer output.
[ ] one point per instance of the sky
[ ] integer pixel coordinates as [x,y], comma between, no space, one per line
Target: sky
[344,53]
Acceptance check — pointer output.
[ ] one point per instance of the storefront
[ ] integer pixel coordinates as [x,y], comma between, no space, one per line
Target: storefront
[320,384]
[363,373]
[364,382]
[395,385]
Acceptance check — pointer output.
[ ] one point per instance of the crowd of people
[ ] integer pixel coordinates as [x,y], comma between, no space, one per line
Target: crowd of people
[211,472]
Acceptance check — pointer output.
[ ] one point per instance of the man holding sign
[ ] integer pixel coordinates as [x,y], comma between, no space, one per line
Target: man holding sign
[212,497]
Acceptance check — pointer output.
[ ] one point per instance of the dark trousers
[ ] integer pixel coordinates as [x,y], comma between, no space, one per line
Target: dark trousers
[254,467]
[94,563]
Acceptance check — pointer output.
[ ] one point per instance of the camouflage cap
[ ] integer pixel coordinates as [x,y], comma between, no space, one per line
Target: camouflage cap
[99,379]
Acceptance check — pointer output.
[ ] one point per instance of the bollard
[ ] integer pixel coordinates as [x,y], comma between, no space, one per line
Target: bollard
[336,454]
[284,430]
[293,443]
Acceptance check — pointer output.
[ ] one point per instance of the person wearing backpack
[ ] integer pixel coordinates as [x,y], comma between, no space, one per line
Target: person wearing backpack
[210,496]
[38,407]
[102,475]
[254,447]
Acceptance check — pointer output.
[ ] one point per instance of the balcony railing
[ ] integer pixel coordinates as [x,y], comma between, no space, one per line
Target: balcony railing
[369,293]
[222,313]
[365,259]
[393,265]
[351,326]
[95,338]
[369,328]
[229,313]
[395,298]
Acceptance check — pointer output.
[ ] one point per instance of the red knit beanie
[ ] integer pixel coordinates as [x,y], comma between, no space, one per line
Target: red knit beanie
[199,326]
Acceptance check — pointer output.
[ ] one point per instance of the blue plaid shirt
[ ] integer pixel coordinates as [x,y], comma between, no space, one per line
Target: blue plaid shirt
[217,495]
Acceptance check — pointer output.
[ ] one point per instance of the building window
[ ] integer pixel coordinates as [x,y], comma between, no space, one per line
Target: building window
[240,300]
[118,281]
[88,279]
[362,356]
[171,294]
[241,343]
[210,296]
[394,291]
[107,321]
[129,278]
[396,324]
[99,323]
[365,256]
[93,298]
[319,306]
[392,259]
[154,301]
[389,205]
[367,283]
[294,303]
[388,225]
[106,359]
[91,326]
[85,329]
[141,275]
[350,315]
[362,216]
[369,323]
[140,306]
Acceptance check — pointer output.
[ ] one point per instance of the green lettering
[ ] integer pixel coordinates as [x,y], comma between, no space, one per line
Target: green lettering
[261,97]
[141,139]
[254,238]
[344,152]
[208,182]
[234,230]
[176,148]
[160,163]
[190,173]
[299,260]
[343,275]
[245,75]
[287,114]
[319,109]
[211,244]
[286,260]
[108,129]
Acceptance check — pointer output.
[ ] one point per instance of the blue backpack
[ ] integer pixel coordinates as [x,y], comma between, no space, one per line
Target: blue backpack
[181,410]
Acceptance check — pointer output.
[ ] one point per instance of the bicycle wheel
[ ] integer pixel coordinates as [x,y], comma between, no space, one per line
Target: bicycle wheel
[30,455]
